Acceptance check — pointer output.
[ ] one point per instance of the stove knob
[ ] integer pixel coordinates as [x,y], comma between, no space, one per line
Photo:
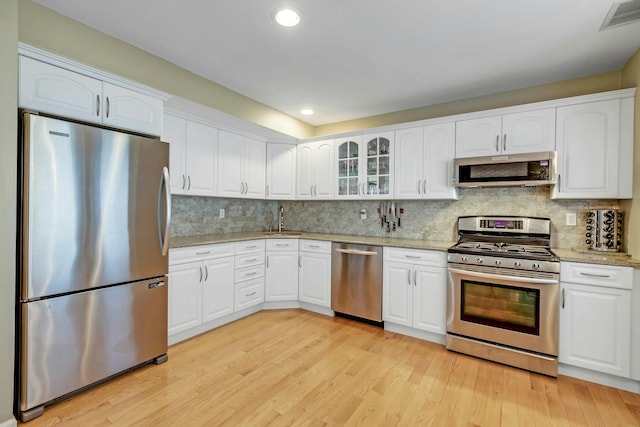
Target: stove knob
[479,260]
[464,259]
[589,228]
[498,262]
[588,241]
[589,221]
[590,214]
[608,236]
[535,266]
[517,264]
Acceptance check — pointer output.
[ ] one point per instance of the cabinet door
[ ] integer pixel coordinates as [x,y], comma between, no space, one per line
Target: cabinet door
[478,137]
[249,293]
[201,161]
[323,170]
[439,151]
[127,109]
[595,328]
[281,171]
[378,167]
[185,296]
[429,299]
[217,288]
[281,276]
[253,168]
[588,141]
[348,168]
[408,158]
[397,293]
[53,90]
[174,131]
[315,278]
[230,159]
[305,170]
[529,132]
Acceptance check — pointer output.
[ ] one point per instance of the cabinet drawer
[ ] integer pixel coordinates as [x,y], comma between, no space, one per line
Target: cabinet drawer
[197,253]
[249,273]
[319,246]
[282,244]
[597,275]
[249,260]
[249,293]
[249,246]
[415,256]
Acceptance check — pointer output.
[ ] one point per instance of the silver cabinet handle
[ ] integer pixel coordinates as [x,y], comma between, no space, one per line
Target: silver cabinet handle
[184,182]
[413,256]
[563,298]
[253,273]
[595,275]
[356,252]
[251,294]
[419,186]
[415,277]
[252,260]
[200,268]
[164,234]
[189,179]
[311,191]
[282,245]
[206,273]
[203,253]
[251,247]
[424,187]
[97,105]
[299,261]
[409,277]
[267,261]
[108,107]
[504,142]
[267,190]
[246,188]
[314,246]
[497,143]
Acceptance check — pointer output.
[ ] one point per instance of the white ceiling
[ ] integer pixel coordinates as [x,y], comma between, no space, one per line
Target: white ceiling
[356,58]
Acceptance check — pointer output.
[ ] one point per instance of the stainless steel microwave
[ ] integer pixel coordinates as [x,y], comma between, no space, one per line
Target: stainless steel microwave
[525,170]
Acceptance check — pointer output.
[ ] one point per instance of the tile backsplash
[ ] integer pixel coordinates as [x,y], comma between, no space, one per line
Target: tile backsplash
[422,219]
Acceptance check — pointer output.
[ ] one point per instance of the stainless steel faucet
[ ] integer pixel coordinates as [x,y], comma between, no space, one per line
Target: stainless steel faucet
[281,219]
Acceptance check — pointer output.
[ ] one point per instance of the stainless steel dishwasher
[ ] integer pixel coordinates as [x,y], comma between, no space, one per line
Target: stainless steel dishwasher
[356,280]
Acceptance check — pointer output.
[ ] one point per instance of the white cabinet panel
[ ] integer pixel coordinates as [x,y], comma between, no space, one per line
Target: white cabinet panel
[254,168]
[314,175]
[127,109]
[185,296]
[241,166]
[315,278]
[397,293]
[429,299]
[478,137]
[281,276]
[217,288]
[281,171]
[201,159]
[409,163]
[249,294]
[174,131]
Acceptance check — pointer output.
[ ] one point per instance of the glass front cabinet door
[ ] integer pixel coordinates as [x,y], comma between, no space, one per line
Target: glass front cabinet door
[365,166]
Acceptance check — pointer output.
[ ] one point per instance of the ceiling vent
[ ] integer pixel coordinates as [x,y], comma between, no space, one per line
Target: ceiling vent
[622,14]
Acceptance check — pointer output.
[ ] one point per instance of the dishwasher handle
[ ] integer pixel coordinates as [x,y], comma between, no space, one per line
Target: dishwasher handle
[356,252]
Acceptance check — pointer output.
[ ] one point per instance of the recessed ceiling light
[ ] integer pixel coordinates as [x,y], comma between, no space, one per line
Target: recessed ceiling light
[287,17]
[306,111]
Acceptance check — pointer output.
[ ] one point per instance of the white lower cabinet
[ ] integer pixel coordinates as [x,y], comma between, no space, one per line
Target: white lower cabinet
[201,285]
[249,274]
[281,272]
[413,289]
[314,277]
[595,317]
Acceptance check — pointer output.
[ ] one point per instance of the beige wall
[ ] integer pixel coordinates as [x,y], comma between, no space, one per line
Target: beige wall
[631,78]
[563,89]
[48,30]
[8,173]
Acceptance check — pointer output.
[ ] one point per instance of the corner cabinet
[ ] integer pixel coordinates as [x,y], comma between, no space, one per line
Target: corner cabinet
[241,166]
[424,162]
[521,132]
[281,171]
[314,175]
[50,89]
[365,167]
[595,317]
[281,270]
[595,150]
[193,153]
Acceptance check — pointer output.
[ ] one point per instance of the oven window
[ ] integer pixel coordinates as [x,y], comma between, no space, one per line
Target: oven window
[507,307]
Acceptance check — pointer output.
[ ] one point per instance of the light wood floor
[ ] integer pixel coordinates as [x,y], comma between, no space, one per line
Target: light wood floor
[292,367]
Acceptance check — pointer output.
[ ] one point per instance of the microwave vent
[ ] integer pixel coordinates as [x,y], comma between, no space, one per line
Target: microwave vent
[503,170]
[622,14]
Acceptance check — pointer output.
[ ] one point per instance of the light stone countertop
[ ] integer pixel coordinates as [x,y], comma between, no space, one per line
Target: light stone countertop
[567,255]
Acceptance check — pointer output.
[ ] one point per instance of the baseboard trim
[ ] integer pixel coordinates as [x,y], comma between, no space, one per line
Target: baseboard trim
[415,333]
[599,378]
[11,422]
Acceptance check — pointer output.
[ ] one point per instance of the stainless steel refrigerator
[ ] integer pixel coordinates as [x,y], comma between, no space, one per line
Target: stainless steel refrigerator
[93,242]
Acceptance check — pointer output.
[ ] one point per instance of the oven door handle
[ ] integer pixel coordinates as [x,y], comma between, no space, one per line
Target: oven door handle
[503,277]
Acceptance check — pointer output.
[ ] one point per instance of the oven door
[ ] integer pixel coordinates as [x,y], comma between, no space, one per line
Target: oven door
[520,312]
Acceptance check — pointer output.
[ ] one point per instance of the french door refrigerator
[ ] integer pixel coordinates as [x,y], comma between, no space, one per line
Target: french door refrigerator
[93,241]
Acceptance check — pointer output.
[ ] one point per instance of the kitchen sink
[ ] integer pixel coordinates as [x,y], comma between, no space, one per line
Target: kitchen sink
[282,233]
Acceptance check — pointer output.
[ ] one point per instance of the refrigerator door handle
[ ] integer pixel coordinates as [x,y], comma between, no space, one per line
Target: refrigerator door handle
[164,234]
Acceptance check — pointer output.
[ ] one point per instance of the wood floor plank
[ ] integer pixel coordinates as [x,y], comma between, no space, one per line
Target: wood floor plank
[296,368]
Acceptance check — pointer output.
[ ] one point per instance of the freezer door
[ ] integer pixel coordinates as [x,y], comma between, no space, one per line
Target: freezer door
[72,341]
[94,207]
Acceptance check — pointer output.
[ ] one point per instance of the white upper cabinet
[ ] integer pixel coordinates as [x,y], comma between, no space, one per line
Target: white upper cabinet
[364,166]
[49,89]
[241,166]
[281,171]
[522,132]
[193,151]
[424,162]
[595,150]
[314,176]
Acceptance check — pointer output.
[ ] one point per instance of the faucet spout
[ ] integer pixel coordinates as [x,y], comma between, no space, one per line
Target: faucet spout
[281,225]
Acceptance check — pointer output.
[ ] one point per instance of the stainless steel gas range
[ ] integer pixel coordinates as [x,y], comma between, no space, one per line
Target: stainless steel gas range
[502,292]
